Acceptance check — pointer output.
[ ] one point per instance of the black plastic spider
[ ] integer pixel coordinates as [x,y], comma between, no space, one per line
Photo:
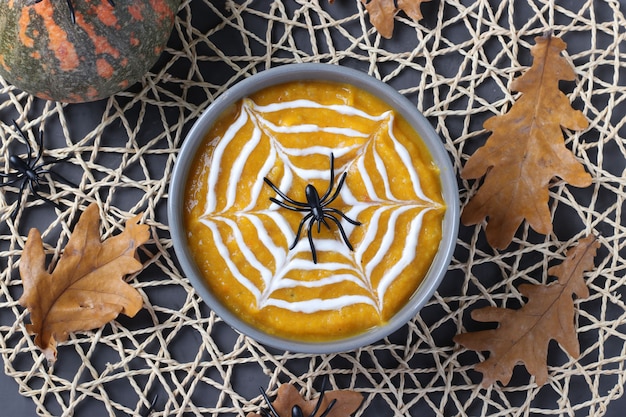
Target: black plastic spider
[70,6]
[317,208]
[296,411]
[30,172]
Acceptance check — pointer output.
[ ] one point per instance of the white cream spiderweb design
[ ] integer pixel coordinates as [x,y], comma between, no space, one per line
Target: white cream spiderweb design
[274,132]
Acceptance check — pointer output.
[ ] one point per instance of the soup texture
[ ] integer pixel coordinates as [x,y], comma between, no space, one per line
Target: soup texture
[256,255]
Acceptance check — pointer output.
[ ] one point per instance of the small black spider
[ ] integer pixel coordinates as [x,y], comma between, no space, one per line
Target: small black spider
[296,411]
[30,172]
[317,208]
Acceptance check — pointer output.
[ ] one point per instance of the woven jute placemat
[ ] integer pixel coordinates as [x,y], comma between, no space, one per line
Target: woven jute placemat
[456,65]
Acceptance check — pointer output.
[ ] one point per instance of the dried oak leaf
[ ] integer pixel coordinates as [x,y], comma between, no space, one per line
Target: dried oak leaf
[382,13]
[526,151]
[86,289]
[523,335]
[288,397]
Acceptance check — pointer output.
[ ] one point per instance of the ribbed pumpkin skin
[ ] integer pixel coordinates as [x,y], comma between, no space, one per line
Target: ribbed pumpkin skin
[107,50]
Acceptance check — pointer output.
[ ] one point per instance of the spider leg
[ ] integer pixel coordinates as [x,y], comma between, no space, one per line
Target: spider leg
[19,200]
[72,13]
[10,182]
[337,190]
[304,219]
[111,3]
[39,169]
[41,197]
[339,212]
[311,244]
[62,179]
[340,227]
[150,409]
[319,223]
[65,158]
[29,149]
[39,153]
[287,206]
[330,406]
[56,176]
[20,131]
[283,195]
[332,177]
[321,397]
[269,404]
[56,161]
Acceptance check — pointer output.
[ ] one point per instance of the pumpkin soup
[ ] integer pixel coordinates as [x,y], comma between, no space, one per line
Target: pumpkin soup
[313,210]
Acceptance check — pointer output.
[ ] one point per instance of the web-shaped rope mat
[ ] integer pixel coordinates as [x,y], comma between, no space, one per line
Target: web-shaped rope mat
[456,65]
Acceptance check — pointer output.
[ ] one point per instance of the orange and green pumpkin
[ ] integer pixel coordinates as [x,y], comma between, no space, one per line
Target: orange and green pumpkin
[87,51]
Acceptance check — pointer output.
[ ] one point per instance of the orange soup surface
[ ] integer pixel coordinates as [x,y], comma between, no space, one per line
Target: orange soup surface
[271,259]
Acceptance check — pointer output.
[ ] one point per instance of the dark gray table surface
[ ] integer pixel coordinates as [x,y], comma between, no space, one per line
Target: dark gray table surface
[12,404]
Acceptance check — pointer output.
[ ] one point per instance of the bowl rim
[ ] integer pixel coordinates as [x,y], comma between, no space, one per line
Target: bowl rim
[332,73]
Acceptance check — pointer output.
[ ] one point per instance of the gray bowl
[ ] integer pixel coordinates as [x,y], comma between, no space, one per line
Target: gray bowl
[325,72]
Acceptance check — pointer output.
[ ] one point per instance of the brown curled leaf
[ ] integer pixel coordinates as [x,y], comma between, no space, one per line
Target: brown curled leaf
[347,402]
[86,289]
[383,12]
[523,335]
[526,151]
